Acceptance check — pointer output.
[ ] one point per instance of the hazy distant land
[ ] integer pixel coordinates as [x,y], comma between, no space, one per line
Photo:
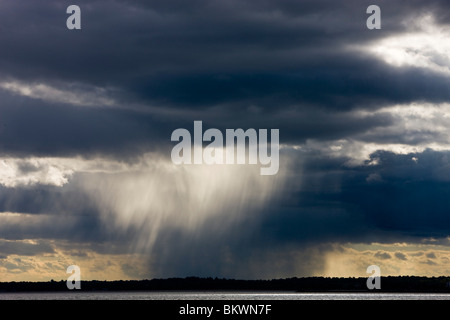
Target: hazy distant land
[310,284]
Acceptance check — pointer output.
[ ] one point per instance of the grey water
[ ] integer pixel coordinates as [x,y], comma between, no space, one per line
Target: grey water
[145,295]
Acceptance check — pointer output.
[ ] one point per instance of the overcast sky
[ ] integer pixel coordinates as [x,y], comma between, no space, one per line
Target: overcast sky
[86,118]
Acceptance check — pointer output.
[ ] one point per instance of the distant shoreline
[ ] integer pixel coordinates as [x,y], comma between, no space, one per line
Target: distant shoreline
[401,284]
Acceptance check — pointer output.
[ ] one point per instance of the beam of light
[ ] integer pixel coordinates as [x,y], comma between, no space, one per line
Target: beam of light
[158,195]
[425,47]
[152,194]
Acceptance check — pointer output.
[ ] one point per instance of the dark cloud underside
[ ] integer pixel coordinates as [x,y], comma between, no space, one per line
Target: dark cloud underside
[138,70]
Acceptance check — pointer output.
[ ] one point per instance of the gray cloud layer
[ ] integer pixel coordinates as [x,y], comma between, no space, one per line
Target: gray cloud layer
[140,69]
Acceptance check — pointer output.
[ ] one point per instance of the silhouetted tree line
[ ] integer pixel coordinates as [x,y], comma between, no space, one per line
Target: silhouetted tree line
[310,284]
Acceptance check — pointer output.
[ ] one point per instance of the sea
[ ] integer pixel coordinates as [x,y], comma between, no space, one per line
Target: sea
[145,295]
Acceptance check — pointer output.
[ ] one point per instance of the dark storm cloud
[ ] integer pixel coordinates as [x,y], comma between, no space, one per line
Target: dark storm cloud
[336,202]
[59,213]
[342,86]
[221,61]
[122,41]
[239,253]
[269,54]
[262,64]
[24,248]
[52,227]
[35,128]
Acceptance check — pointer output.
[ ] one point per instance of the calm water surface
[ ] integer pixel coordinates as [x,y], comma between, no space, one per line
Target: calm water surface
[220,296]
